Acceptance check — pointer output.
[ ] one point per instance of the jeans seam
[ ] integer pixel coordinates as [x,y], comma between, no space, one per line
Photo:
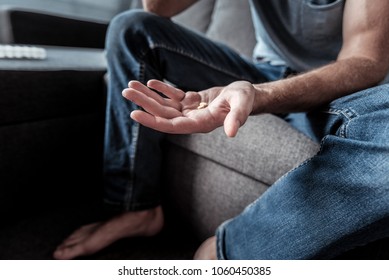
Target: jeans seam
[189,55]
[305,162]
[142,71]
[347,113]
[129,203]
[220,239]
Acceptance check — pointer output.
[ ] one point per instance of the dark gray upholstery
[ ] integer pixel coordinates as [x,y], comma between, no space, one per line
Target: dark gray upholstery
[214,177]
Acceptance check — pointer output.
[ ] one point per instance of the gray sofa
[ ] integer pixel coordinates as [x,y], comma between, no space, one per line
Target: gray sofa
[52,141]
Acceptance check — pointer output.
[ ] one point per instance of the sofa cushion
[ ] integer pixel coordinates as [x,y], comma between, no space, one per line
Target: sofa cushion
[231,24]
[198,16]
[204,192]
[226,21]
[211,178]
[265,148]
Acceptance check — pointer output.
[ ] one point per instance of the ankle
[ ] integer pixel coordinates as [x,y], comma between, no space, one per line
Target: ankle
[142,223]
[155,221]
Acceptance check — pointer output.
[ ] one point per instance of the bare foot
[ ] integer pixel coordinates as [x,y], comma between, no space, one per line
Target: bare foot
[93,237]
[207,250]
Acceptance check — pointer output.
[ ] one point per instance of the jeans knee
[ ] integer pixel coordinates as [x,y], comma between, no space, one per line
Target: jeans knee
[128,29]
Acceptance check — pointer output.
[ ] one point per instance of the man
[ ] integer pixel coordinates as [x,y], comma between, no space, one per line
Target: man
[338,47]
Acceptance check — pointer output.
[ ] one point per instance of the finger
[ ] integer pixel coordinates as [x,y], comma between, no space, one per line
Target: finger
[70,252]
[156,123]
[236,117]
[150,104]
[166,89]
[179,125]
[231,124]
[150,93]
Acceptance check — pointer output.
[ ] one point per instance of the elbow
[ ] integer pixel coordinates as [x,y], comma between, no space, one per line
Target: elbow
[374,75]
[157,9]
[379,70]
[369,65]
[150,8]
[370,71]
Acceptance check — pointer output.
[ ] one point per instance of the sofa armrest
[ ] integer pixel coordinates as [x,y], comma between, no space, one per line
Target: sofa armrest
[212,178]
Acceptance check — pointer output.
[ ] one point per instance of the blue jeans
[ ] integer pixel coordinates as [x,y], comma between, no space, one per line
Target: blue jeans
[333,202]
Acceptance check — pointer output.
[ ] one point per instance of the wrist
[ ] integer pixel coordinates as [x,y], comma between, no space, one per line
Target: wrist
[261,99]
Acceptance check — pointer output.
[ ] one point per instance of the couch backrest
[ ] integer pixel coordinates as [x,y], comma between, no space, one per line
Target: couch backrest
[226,21]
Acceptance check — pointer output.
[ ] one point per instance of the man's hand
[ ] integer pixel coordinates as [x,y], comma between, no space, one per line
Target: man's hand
[179,112]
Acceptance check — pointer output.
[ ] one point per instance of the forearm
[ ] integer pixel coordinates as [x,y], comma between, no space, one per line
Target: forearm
[312,89]
[167,8]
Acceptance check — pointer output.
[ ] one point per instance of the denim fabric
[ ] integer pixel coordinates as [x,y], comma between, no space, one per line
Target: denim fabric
[335,201]
[141,46]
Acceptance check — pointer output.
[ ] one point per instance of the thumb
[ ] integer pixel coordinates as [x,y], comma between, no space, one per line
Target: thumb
[235,118]
[232,124]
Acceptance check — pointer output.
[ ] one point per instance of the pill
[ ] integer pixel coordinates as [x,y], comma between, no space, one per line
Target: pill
[202,105]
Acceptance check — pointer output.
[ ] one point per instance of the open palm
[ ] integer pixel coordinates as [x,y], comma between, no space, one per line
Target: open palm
[179,112]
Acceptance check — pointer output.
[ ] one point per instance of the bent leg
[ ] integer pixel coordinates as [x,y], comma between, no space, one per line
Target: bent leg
[333,202]
[142,46]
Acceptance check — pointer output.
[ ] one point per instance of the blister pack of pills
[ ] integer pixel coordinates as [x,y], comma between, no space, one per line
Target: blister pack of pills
[22,52]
